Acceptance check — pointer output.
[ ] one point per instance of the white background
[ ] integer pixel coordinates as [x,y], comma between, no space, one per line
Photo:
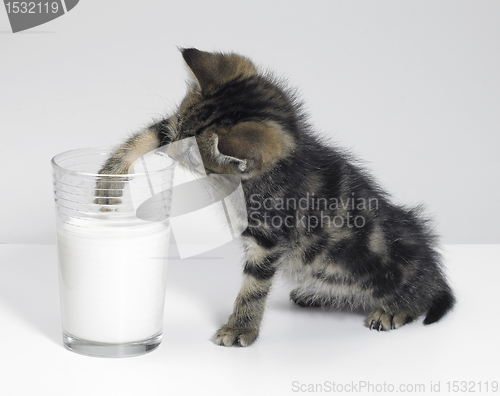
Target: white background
[412,87]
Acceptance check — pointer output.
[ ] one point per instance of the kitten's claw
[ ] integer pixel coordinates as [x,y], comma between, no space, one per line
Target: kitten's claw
[384,321]
[229,335]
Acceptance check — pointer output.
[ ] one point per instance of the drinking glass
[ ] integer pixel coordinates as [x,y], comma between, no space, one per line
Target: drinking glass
[112,264]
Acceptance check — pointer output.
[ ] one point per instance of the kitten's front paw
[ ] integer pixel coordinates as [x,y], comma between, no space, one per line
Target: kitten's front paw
[109,186]
[229,335]
[108,192]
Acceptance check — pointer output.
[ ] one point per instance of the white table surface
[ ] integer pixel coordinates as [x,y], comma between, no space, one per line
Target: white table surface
[298,347]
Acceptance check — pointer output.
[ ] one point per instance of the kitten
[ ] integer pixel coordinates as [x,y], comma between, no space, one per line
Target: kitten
[313,214]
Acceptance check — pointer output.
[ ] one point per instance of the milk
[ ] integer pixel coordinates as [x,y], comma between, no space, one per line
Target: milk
[112,279]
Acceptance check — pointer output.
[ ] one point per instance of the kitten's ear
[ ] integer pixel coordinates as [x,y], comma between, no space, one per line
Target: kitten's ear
[254,146]
[214,69]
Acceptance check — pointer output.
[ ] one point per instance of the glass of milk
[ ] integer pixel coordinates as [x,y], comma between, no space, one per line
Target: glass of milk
[112,264]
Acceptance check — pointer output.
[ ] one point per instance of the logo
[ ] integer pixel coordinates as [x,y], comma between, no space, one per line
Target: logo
[27,14]
[205,211]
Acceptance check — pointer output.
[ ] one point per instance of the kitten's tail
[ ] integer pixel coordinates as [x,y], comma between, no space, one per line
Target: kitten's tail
[441,304]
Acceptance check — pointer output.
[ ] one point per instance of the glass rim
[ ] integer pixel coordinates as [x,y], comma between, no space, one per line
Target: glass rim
[57,157]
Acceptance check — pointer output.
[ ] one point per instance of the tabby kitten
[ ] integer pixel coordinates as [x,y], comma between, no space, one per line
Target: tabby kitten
[313,214]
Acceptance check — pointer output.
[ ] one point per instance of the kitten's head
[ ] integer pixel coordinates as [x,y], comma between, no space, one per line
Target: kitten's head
[242,121]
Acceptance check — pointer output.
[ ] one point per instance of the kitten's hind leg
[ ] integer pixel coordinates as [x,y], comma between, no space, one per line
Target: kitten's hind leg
[304,299]
[382,320]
